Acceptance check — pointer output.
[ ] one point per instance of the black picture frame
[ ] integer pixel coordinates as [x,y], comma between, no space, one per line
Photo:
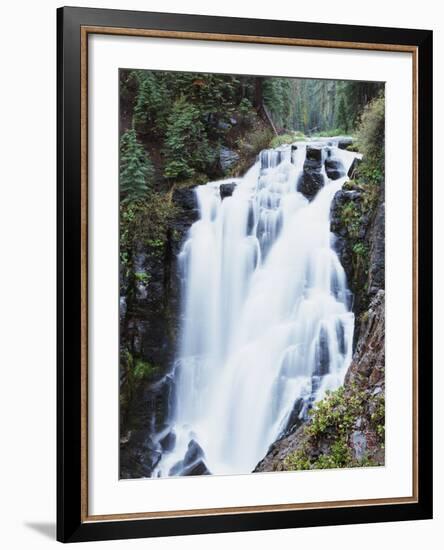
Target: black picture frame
[71,523]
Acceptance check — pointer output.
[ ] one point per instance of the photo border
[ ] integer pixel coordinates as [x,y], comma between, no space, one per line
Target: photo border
[74,27]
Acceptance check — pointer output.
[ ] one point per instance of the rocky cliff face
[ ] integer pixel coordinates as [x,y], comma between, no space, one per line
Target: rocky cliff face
[358,223]
[150,310]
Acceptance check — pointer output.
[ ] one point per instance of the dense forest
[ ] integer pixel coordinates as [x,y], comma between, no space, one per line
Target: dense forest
[178,130]
[173,125]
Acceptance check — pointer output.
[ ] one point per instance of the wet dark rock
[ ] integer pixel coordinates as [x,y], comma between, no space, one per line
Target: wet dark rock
[353,168]
[193,454]
[193,463]
[139,455]
[226,189]
[168,441]
[376,276]
[344,141]
[315,153]
[177,469]
[340,332]
[342,242]
[296,417]
[198,468]
[227,158]
[334,168]
[322,354]
[186,202]
[310,182]
[312,178]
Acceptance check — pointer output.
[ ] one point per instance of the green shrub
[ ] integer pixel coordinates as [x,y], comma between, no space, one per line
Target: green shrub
[371,135]
[143,222]
[143,369]
[332,421]
[142,277]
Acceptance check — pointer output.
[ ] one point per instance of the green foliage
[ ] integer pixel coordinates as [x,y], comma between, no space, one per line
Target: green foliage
[136,369]
[357,95]
[142,277]
[337,411]
[371,141]
[153,101]
[186,142]
[360,249]
[136,169]
[143,369]
[245,107]
[332,422]
[378,416]
[143,222]
[351,215]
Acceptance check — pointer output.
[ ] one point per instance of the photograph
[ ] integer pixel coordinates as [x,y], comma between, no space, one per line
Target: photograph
[251,274]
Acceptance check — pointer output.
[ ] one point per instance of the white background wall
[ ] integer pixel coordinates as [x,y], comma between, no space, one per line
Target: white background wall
[27,273]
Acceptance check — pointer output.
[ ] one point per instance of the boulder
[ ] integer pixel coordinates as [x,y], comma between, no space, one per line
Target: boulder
[312,178]
[168,441]
[296,417]
[359,445]
[315,153]
[344,141]
[334,168]
[193,463]
[198,468]
[227,158]
[177,469]
[226,189]
[193,454]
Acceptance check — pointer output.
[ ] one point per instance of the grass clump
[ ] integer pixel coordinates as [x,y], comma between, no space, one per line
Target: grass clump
[329,133]
[287,139]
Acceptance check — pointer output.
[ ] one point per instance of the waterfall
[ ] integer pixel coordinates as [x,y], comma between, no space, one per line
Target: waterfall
[267,326]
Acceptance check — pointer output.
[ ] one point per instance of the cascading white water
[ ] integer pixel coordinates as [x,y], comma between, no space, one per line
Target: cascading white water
[267,323]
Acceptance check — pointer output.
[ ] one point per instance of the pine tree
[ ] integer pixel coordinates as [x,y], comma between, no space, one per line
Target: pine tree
[136,169]
[342,118]
[186,142]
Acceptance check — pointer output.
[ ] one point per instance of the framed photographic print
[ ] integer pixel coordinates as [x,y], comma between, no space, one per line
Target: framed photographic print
[245,274]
